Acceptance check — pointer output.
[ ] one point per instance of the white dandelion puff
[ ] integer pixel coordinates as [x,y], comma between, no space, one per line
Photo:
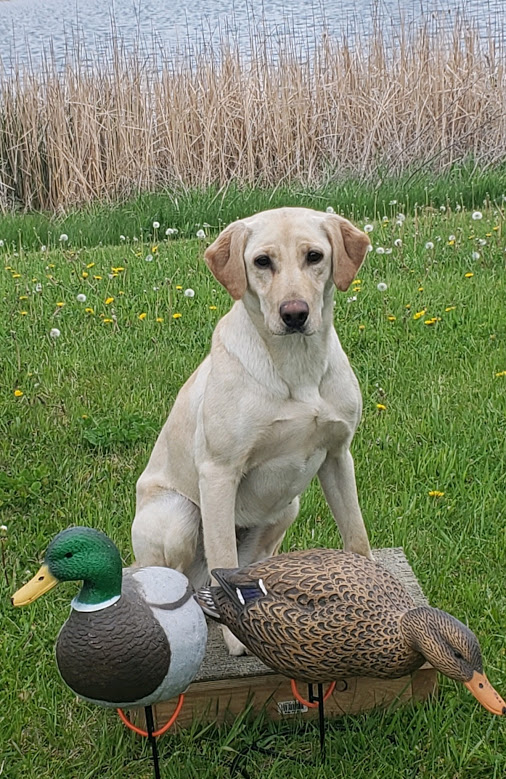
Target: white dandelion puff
[382,287]
[475,255]
[401,218]
[368,228]
[156,225]
[380,250]
[476,215]
[330,210]
[54,332]
[81,298]
[149,258]
[122,238]
[429,245]
[201,234]
[398,242]
[189,293]
[64,238]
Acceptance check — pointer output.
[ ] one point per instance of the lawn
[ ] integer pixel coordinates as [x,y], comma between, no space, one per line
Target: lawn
[95,342]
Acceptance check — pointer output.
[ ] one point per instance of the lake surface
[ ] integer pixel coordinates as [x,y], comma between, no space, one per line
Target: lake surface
[31,28]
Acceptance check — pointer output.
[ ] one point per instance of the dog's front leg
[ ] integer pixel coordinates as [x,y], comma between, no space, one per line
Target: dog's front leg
[218,488]
[337,477]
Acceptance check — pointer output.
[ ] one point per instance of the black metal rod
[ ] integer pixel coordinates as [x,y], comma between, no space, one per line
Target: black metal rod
[321,720]
[148,711]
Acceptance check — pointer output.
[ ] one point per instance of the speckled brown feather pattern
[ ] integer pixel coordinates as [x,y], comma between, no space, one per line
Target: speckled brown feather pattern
[326,614]
[118,654]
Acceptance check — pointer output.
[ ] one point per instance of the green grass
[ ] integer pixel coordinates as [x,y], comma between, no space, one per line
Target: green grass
[187,210]
[73,444]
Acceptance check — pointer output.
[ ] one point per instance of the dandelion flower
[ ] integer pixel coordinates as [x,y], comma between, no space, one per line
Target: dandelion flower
[156,225]
[54,332]
[477,215]
[64,238]
[171,231]
[429,245]
[201,234]
[149,258]
[43,248]
[107,321]
[18,393]
[189,293]
[368,228]
[401,217]
[23,313]
[385,220]
[85,274]
[380,250]
[398,242]
[475,255]
[442,208]
[382,287]
[178,286]
[89,310]
[159,318]
[122,238]
[176,316]
[142,316]
[351,299]
[391,318]
[361,327]
[108,301]
[482,242]
[501,373]
[38,287]
[452,238]
[381,407]
[450,308]
[468,275]
[420,313]
[212,308]
[81,298]
[436,494]
[60,304]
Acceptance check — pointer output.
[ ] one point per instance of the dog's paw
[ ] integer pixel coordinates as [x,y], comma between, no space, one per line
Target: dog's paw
[234,646]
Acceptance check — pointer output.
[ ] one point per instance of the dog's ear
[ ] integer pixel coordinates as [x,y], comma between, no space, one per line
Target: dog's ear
[349,247]
[225,258]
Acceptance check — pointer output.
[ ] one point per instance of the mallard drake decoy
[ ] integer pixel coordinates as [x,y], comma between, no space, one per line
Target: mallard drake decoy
[134,636]
[320,614]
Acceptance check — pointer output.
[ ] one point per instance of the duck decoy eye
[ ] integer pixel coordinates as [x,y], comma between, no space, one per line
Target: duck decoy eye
[458,656]
[68,554]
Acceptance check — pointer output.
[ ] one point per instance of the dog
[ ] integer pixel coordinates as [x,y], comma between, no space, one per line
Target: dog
[274,404]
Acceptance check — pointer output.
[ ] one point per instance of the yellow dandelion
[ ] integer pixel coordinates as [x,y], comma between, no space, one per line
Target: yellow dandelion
[361,327]
[89,311]
[117,270]
[381,407]
[23,297]
[450,308]
[60,304]
[18,393]
[501,373]
[23,313]
[154,249]
[159,318]
[16,275]
[436,494]
[357,281]
[109,300]
[176,316]
[420,289]
[121,292]
[90,265]
[51,265]
[107,321]
[142,316]
[451,243]
[391,318]
[97,278]
[178,286]
[212,308]
[468,275]
[488,235]
[408,305]
[420,313]
[8,267]
[496,227]
[85,274]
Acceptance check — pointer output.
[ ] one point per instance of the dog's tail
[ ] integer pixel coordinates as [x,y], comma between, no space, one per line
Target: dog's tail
[205,599]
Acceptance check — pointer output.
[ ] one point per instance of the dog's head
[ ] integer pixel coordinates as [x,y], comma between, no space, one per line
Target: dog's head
[284,262]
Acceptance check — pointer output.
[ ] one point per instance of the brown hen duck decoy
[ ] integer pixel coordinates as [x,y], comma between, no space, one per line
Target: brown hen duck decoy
[320,614]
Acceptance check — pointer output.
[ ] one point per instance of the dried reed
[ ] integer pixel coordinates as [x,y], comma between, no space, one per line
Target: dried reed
[73,135]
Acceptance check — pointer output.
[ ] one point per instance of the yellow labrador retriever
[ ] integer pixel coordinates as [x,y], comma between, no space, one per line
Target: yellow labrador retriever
[274,404]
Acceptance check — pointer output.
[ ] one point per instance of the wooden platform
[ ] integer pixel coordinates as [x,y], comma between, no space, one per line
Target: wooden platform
[226,686]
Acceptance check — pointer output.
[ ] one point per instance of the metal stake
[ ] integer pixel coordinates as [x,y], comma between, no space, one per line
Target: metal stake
[148,711]
[321,714]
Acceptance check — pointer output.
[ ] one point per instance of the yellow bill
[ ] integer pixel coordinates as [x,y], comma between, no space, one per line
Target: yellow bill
[42,582]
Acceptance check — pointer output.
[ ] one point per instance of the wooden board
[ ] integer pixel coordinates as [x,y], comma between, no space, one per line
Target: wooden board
[225,686]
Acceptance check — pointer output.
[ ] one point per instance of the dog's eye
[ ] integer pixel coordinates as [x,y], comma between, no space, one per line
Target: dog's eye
[263,261]
[314,257]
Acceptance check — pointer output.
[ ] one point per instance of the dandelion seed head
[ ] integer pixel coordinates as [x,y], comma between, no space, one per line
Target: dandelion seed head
[81,298]
[482,242]
[368,228]
[442,208]
[156,225]
[398,242]
[149,258]
[380,250]
[64,238]
[401,217]
[330,210]
[122,238]
[476,255]
[452,238]
[382,287]
[54,332]
[201,234]
[1,242]
[476,215]
[429,245]
[189,293]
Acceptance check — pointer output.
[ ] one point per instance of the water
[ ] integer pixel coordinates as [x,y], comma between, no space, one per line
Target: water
[29,29]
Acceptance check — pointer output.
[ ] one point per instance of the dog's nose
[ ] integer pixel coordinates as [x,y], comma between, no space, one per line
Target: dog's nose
[294,313]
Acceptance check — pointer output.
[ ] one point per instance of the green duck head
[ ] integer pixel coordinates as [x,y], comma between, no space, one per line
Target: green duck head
[78,553]
[452,649]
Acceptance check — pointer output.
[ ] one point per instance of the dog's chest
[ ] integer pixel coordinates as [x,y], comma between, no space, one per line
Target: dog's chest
[289,452]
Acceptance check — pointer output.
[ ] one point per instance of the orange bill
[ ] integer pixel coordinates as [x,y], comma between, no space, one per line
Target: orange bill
[483,691]
[41,583]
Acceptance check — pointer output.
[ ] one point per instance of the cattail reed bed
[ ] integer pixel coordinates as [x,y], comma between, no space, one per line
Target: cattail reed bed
[399,101]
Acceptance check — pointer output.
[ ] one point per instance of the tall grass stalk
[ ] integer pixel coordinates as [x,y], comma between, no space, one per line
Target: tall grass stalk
[400,100]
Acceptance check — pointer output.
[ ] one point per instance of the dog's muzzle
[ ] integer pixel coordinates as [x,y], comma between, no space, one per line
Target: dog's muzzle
[294,314]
